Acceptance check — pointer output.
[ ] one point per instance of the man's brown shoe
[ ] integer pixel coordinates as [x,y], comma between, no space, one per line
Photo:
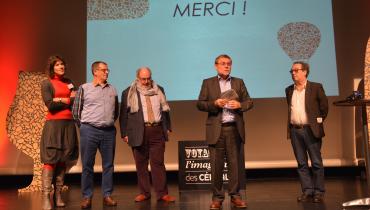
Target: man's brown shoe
[108,201]
[304,197]
[319,198]
[215,205]
[141,197]
[167,198]
[86,203]
[238,203]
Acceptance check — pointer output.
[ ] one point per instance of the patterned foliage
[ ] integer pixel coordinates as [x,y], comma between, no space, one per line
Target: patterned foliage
[25,120]
[299,40]
[116,9]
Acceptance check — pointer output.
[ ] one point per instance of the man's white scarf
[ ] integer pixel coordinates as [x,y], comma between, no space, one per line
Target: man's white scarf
[132,99]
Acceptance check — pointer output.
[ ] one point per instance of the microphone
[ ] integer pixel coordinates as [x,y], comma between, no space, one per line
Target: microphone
[70,86]
[356,95]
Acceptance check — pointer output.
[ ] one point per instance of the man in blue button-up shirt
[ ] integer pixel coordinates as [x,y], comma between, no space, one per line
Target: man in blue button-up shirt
[95,109]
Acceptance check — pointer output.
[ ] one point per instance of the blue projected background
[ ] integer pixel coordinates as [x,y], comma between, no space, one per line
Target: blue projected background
[179,40]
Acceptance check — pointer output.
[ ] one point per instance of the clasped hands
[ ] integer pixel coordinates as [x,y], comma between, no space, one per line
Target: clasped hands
[229,104]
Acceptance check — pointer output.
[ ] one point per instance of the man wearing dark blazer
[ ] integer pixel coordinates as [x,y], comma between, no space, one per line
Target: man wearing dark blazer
[145,125]
[225,98]
[307,110]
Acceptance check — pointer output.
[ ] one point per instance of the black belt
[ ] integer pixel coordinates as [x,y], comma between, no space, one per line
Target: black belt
[153,124]
[99,127]
[228,124]
[299,126]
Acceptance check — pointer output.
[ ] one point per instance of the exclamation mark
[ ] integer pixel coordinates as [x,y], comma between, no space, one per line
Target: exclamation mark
[245,7]
[233,10]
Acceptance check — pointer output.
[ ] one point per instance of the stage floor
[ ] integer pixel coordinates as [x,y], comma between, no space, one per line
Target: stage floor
[261,194]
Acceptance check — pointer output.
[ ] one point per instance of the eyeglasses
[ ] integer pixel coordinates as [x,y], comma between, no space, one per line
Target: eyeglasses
[295,70]
[104,70]
[145,79]
[224,64]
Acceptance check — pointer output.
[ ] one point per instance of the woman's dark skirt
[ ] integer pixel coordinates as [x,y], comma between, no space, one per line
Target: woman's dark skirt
[58,142]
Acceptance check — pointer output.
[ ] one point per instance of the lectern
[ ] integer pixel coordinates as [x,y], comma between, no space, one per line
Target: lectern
[360,103]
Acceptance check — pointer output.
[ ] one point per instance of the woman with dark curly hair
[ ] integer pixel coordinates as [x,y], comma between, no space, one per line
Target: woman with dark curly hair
[59,138]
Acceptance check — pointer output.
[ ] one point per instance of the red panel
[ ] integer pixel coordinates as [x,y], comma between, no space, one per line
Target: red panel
[19,22]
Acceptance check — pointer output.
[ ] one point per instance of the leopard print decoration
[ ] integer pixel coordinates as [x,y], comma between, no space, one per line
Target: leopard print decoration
[367,81]
[25,120]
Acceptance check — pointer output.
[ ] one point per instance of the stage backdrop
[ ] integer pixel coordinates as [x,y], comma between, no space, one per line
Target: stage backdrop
[266,145]
[179,40]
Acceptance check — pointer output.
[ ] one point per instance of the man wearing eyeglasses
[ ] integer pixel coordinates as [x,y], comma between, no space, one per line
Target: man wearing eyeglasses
[95,110]
[307,110]
[225,98]
[145,125]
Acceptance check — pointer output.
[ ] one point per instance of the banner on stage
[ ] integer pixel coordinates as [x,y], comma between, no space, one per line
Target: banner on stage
[195,166]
